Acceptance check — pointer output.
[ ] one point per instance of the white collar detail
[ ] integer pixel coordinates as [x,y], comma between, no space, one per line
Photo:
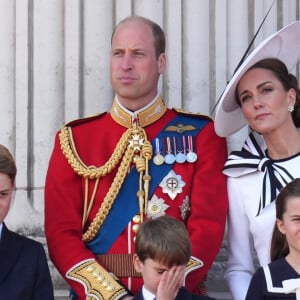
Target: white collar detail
[292,286]
[147,294]
[289,285]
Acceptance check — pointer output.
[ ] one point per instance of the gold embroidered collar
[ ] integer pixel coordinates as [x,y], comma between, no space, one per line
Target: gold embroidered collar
[145,116]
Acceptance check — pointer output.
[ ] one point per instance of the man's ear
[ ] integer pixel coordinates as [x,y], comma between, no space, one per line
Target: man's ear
[162,60]
[138,265]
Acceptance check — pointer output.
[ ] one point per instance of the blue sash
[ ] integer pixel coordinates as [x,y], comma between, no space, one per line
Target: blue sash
[126,205]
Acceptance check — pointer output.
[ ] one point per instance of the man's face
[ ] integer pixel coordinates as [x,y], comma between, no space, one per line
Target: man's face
[134,67]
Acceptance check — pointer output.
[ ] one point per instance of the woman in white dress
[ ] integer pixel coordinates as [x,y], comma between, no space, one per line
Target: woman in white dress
[265,95]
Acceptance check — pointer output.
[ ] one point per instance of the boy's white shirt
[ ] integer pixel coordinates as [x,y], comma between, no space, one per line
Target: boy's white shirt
[1,225]
[147,295]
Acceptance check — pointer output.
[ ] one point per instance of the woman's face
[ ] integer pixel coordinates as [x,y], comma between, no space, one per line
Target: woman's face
[264,101]
[6,192]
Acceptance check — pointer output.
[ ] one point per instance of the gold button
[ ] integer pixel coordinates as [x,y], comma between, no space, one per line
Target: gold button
[111,288]
[90,268]
[95,274]
[137,219]
[100,277]
[135,227]
[105,283]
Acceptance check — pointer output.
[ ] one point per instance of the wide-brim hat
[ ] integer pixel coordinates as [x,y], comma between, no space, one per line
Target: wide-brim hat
[284,45]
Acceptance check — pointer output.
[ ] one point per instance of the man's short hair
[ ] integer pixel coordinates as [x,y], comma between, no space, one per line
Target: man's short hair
[158,33]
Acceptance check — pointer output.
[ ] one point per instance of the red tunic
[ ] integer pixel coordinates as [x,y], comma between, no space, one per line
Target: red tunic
[95,141]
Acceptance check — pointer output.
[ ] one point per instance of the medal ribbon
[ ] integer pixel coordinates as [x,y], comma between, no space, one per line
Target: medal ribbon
[157,147]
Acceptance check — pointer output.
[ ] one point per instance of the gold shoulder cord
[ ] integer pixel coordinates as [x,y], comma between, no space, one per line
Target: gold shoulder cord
[132,147]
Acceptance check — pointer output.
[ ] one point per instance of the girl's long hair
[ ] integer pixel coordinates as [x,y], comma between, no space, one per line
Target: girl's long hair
[279,244]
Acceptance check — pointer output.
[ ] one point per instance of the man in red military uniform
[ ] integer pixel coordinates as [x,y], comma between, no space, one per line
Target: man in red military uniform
[141,160]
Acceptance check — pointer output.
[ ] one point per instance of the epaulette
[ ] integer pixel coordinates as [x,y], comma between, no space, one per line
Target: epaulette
[195,115]
[84,120]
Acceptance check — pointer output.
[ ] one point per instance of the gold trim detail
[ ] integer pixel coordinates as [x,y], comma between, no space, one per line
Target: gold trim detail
[133,147]
[144,118]
[97,282]
[193,264]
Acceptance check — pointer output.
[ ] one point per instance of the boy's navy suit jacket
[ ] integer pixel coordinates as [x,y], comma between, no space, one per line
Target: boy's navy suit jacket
[183,294]
[24,272]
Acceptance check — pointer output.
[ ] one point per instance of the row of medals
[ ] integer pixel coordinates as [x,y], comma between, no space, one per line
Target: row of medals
[176,150]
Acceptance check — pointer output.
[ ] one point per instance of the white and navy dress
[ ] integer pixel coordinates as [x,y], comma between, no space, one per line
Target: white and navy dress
[254,180]
[278,280]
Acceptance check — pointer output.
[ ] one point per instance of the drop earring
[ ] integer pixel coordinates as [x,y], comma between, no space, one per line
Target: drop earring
[291,108]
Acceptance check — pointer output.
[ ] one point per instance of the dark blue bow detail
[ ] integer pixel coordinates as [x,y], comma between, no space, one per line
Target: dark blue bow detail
[253,158]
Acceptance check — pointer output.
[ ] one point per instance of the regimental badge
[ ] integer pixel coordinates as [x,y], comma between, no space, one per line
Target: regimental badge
[172,184]
[185,208]
[136,142]
[156,207]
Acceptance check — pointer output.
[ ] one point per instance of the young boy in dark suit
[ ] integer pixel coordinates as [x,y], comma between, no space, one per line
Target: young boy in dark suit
[163,252]
[24,272]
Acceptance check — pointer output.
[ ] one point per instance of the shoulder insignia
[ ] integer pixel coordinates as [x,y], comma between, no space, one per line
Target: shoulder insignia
[194,263]
[180,128]
[196,115]
[84,120]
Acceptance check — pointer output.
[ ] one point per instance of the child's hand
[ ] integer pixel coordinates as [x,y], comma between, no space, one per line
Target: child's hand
[170,283]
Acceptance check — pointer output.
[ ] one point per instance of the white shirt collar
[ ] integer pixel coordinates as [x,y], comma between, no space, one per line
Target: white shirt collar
[147,295]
